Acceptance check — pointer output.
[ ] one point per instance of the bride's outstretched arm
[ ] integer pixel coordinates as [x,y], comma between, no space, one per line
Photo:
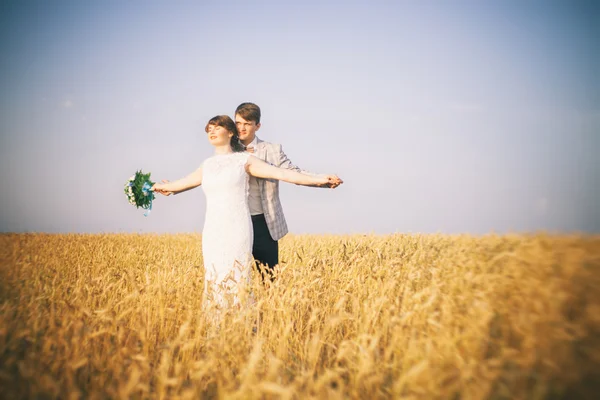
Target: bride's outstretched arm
[181,185]
[260,169]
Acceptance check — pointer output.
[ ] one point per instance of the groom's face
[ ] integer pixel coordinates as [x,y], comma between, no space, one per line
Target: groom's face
[247,129]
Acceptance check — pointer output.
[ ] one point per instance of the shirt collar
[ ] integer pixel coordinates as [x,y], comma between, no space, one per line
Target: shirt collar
[253,143]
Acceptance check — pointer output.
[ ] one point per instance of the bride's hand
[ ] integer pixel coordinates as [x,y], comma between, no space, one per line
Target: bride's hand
[159,188]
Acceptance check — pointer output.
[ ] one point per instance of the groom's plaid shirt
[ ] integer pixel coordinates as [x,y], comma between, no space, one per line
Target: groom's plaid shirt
[269,188]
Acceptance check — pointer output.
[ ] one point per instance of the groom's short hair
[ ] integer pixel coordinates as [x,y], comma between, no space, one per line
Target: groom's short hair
[249,111]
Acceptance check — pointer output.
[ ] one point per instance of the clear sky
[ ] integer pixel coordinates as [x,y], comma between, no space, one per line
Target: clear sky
[445,116]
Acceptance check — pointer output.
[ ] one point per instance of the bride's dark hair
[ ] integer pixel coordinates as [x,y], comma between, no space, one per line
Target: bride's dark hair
[228,124]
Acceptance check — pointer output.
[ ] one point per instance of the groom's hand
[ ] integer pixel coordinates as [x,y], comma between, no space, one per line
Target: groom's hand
[333,181]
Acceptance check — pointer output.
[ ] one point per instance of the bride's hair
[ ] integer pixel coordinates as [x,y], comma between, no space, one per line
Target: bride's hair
[227,123]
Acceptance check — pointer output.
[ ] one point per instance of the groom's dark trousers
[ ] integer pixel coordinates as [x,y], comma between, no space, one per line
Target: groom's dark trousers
[264,249]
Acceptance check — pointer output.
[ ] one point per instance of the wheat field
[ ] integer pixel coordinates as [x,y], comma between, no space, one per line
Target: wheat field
[362,316]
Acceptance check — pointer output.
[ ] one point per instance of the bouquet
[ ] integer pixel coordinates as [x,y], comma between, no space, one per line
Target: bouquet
[137,190]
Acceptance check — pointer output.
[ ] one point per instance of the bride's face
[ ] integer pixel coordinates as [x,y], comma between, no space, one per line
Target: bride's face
[218,136]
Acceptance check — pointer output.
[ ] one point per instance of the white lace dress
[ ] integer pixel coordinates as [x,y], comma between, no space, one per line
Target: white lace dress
[227,234]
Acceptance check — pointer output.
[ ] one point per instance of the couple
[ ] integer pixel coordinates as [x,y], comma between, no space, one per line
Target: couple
[244,218]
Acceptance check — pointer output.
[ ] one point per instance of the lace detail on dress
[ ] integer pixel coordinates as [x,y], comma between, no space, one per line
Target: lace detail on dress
[227,234]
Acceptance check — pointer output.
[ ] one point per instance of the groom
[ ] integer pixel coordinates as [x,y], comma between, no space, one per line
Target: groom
[268,220]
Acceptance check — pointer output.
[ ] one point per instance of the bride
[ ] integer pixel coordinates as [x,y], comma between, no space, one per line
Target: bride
[227,234]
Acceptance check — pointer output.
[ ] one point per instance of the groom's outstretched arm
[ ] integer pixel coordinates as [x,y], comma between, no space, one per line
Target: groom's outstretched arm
[286,163]
[261,169]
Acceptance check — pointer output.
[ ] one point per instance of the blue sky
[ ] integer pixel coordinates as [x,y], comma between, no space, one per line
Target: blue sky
[451,117]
